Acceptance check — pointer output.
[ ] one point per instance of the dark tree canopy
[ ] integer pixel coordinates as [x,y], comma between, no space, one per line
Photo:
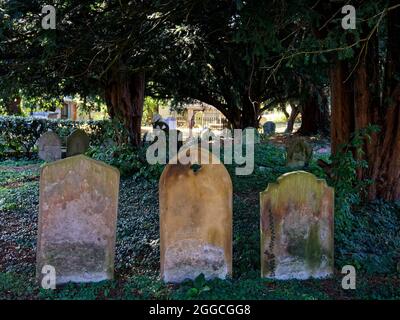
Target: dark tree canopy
[243,57]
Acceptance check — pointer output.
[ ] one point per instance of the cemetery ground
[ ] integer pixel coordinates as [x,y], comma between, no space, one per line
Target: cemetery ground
[366,236]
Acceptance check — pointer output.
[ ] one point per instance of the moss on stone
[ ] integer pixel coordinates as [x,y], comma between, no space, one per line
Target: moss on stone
[313,250]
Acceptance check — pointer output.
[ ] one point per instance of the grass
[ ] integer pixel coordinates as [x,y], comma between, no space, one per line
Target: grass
[137,248]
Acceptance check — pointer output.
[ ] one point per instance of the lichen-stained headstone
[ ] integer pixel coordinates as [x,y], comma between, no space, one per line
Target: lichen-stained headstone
[195,218]
[49,145]
[77,219]
[77,143]
[297,227]
[298,152]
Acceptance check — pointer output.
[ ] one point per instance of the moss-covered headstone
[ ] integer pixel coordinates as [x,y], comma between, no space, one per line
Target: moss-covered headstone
[298,152]
[297,227]
[195,218]
[77,143]
[77,219]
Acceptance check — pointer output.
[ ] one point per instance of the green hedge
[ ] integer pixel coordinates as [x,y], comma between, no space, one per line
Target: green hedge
[19,134]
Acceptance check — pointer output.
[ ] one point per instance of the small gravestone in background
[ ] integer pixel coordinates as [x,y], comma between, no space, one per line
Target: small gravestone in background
[195,219]
[269,128]
[77,143]
[49,145]
[77,219]
[298,152]
[297,228]
[109,143]
[159,123]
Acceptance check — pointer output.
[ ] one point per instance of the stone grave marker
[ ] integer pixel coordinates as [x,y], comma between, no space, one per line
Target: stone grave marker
[269,128]
[297,228]
[298,152]
[195,218]
[77,219]
[159,123]
[49,145]
[77,143]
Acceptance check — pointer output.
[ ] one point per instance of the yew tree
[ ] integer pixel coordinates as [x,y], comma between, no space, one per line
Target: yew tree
[365,88]
[223,53]
[98,48]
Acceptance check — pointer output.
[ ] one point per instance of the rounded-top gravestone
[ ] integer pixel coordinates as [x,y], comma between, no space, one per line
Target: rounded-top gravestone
[195,218]
[269,128]
[77,143]
[49,145]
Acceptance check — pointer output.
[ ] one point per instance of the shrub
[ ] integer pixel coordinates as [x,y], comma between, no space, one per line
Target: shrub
[349,190]
[19,134]
[127,159]
[366,234]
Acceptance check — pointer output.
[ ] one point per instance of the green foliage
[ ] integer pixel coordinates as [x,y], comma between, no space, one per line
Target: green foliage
[349,190]
[30,104]
[13,286]
[147,287]
[366,234]
[129,160]
[19,134]
[372,242]
[150,108]
[78,291]
[371,245]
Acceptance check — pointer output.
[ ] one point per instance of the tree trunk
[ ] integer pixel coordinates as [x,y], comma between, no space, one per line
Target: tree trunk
[292,118]
[315,114]
[287,115]
[124,95]
[358,103]
[246,116]
[342,113]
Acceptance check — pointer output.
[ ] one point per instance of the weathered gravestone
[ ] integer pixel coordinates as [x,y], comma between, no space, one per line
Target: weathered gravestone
[298,153]
[77,219]
[49,145]
[77,143]
[195,219]
[269,128]
[297,227]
